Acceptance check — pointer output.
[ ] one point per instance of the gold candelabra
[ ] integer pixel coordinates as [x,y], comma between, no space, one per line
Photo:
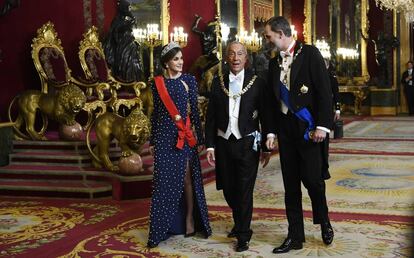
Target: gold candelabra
[151,37]
[252,42]
[179,36]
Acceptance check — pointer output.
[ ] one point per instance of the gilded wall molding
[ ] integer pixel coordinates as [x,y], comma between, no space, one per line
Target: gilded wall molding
[405,55]
[240,15]
[263,10]
[165,20]
[394,51]
[307,25]
[364,29]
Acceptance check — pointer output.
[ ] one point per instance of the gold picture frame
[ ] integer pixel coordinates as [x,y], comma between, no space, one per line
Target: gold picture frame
[310,35]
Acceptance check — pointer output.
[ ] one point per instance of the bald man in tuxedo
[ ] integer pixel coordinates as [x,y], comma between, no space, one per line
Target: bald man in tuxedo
[235,117]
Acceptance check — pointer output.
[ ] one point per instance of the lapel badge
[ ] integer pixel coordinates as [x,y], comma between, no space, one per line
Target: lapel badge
[304,89]
[255,114]
[177,117]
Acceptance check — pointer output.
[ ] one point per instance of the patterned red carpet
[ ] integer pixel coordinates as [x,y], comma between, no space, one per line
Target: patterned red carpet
[370,195]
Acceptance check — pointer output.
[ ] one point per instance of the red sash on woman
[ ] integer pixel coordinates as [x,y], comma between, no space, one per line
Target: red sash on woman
[184,129]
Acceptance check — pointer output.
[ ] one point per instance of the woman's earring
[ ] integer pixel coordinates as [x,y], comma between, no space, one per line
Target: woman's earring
[166,66]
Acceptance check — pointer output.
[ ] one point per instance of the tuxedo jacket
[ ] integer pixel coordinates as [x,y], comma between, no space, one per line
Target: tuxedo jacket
[404,76]
[251,113]
[309,84]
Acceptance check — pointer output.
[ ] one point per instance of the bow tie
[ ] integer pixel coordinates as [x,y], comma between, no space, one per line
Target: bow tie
[233,77]
[284,54]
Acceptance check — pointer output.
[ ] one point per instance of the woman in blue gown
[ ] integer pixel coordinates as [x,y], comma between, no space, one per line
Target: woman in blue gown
[178,204]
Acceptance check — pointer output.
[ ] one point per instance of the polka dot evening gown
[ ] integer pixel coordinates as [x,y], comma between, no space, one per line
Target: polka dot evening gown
[167,212]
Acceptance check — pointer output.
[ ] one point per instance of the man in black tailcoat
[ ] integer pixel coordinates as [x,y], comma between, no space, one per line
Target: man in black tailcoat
[302,101]
[235,115]
[407,81]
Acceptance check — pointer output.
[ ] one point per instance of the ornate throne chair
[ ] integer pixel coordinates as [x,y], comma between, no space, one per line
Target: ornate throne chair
[92,59]
[50,62]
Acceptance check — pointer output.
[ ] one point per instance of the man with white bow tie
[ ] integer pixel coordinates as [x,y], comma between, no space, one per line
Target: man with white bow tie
[235,122]
[302,101]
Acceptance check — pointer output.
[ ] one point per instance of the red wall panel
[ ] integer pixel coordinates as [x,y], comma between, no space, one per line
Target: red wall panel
[182,13]
[298,17]
[322,19]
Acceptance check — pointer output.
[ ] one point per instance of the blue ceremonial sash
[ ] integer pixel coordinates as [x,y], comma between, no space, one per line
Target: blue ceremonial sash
[303,114]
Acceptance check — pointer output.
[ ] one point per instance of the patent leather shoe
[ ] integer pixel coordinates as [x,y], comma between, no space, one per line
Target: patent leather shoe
[327,233]
[232,233]
[288,245]
[242,246]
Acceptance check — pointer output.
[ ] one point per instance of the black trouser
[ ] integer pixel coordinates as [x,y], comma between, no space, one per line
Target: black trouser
[409,94]
[325,158]
[238,162]
[301,161]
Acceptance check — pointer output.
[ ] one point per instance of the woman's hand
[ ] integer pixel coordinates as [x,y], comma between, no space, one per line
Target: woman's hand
[151,150]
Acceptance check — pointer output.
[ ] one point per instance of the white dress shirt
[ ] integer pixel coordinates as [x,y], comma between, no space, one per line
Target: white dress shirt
[287,59]
[235,87]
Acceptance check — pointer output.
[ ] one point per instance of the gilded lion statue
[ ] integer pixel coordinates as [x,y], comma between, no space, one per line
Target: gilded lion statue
[131,132]
[61,106]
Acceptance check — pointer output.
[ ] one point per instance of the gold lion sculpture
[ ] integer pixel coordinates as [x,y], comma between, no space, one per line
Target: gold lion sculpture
[61,106]
[131,132]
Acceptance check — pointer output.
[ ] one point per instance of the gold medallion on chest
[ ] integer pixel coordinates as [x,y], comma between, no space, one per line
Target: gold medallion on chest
[304,89]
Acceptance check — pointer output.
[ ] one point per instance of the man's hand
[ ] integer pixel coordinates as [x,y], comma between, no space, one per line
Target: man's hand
[337,116]
[270,143]
[264,158]
[319,135]
[211,158]
[200,148]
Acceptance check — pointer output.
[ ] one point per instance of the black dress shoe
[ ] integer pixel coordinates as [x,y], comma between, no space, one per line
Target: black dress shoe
[151,245]
[288,245]
[327,233]
[242,246]
[190,234]
[232,233]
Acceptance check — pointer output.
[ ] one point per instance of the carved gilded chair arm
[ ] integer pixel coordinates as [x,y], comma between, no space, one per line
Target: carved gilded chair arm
[136,86]
[57,84]
[128,83]
[84,83]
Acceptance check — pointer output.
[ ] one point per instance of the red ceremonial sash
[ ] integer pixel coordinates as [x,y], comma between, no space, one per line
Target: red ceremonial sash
[184,130]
